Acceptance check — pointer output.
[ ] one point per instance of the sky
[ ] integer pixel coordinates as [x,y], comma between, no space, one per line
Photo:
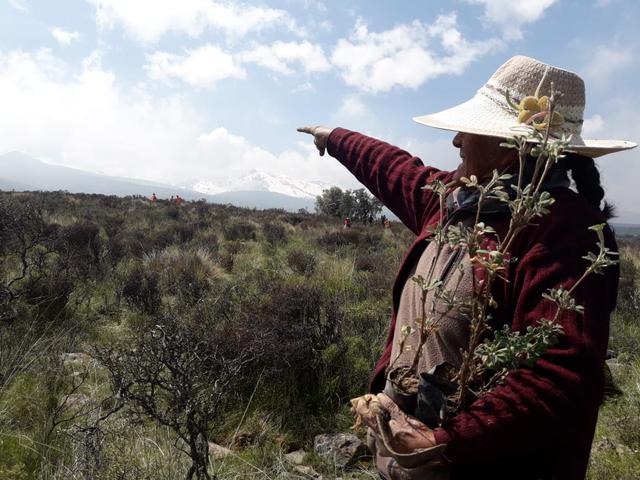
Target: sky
[176,91]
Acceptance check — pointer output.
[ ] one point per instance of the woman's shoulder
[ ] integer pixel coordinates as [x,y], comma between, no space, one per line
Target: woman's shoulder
[571,210]
[566,226]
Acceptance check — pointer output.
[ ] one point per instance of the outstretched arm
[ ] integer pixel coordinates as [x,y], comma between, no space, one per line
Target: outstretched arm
[391,174]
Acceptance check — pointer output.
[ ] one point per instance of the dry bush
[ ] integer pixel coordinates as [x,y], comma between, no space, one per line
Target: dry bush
[208,239]
[173,233]
[274,233]
[181,375]
[239,230]
[302,261]
[140,289]
[183,272]
[354,237]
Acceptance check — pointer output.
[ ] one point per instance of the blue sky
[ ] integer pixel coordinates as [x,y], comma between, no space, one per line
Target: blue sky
[179,90]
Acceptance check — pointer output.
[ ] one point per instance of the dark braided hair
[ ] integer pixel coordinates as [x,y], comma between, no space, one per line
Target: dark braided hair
[586,176]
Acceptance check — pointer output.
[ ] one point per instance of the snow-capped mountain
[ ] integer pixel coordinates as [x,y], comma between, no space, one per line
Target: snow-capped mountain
[258,180]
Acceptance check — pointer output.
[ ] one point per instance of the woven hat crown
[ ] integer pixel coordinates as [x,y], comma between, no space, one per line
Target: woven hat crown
[523,76]
[498,110]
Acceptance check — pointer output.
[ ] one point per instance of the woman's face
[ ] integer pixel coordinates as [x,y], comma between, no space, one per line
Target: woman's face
[481,155]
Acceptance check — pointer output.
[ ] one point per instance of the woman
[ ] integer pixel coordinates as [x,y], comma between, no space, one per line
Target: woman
[540,422]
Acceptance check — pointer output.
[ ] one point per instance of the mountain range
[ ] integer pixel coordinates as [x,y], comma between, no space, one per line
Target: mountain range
[258,189]
[259,180]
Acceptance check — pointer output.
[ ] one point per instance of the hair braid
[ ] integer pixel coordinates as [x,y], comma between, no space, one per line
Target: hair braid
[586,176]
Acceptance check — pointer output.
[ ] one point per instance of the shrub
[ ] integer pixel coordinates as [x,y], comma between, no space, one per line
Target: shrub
[180,375]
[296,219]
[209,240]
[301,261]
[174,232]
[140,289]
[227,261]
[346,368]
[235,247]
[182,272]
[112,225]
[240,231]
[367,262]
[354,237]
[274,233]
[82,235]
[49,294]
[134,243]
[628,297]
[173,212]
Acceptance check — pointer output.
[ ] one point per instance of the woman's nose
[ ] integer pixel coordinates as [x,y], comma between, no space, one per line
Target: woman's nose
[457,140]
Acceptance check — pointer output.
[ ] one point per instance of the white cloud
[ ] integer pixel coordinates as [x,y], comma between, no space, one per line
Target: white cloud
[86,119]
[352,107]
[20,5]
[592,126]
[303,87]
[511,15]
[148,20]
[63,37]
[607,61]
[621,170]
[280,55]
[310,4]
[208,64]
[404,56]
[202,67]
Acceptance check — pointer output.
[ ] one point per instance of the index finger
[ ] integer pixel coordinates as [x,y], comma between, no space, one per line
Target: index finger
[308,130]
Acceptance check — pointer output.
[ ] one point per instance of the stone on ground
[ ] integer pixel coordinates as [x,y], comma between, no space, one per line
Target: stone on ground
[339,449]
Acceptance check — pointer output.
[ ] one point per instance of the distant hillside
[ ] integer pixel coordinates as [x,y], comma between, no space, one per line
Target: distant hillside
[626,229]
[21,172]
[257,199]
[261,181]
[9,185]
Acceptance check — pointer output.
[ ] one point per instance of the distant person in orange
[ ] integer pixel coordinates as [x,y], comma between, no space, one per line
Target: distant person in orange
[154,199]
[178,199]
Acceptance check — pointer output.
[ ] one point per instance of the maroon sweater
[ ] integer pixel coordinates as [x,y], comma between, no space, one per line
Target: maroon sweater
[540,423]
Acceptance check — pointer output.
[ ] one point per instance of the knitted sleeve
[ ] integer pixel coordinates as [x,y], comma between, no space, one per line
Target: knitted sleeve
[391,174]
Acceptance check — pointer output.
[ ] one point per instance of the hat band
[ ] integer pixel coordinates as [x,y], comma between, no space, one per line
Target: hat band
[498,96]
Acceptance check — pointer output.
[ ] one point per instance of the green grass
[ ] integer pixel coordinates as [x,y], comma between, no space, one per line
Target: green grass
[190,262]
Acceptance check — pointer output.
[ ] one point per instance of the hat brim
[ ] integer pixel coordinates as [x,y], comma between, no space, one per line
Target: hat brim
[480,115]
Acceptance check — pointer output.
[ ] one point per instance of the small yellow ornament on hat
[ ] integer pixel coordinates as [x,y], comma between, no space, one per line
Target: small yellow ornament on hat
[534,110]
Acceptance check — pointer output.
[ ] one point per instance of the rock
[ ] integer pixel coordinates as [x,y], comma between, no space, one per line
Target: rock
[604,444]
[244,439]
[340,449]
[621,450]
[75,358]
[76,400]
[295,458]
[308,472]
[615,366]
[218,451]
[607,444]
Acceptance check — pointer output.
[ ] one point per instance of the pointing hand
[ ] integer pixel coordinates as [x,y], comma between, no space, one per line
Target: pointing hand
[320,136]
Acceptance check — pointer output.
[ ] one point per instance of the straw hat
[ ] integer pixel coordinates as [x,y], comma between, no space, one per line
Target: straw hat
[489,112]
